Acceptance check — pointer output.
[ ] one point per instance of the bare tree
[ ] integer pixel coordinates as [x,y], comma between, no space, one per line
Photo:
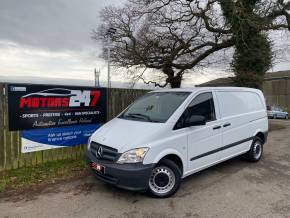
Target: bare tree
[174,36]
[169,35]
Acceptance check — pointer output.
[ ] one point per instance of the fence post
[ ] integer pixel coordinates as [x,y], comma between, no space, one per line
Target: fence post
[1,127]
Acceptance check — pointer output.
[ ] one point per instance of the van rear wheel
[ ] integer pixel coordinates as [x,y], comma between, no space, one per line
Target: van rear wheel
[165,179]
[256,151]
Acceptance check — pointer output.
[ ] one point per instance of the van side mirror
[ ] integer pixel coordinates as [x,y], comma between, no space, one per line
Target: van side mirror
[195,120]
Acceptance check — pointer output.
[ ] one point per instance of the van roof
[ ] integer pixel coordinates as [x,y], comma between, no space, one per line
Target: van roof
[195,89]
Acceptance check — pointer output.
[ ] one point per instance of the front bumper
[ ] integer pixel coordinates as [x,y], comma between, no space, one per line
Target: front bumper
[133,177]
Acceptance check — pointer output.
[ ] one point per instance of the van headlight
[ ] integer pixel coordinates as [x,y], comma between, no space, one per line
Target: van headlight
[133,156]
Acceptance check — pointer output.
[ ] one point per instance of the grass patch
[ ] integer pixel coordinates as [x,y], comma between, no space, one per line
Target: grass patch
[42,173]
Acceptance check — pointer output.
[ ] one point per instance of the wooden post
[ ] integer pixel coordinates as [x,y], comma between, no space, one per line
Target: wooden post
[1,127]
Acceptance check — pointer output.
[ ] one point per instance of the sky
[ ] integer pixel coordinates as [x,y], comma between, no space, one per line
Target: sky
[52,40]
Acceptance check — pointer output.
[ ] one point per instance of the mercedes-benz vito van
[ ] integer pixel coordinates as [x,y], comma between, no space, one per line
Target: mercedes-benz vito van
[167,135]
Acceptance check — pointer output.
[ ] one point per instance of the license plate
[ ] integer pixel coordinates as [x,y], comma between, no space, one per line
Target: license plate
[97,167]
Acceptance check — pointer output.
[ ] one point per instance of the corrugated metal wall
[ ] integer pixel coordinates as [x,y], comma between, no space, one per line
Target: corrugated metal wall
[277,92]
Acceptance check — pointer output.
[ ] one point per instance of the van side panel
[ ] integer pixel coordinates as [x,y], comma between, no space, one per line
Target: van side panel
[258,112]
[240,115]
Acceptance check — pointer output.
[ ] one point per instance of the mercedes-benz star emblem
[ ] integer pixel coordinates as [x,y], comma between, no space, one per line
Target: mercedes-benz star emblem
[100,151]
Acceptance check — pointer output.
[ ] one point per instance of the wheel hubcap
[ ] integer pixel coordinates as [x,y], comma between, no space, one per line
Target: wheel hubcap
[257,150]
[162,180]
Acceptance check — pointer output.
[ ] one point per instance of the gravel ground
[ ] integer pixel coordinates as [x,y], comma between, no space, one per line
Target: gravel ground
[232,189]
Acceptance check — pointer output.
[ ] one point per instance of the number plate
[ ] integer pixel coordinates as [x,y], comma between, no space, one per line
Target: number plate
[97,167]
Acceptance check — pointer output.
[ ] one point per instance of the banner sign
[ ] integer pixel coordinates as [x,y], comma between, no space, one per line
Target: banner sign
[46,106]
[43,139]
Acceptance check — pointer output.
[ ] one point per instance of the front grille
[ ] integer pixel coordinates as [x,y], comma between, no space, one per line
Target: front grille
[106,153]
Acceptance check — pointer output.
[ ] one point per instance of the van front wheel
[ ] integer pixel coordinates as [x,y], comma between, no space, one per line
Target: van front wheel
[165,179]
[256,151]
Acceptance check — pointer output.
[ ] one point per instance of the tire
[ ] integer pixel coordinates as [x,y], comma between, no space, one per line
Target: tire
[256,151]
[165,179]
[274,116]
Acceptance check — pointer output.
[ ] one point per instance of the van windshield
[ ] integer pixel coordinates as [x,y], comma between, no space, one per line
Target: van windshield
[155,106]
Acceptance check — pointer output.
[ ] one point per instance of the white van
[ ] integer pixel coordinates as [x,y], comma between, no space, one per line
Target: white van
[167,135]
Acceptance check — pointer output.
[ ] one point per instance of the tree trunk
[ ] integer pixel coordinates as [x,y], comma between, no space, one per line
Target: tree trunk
[173,80]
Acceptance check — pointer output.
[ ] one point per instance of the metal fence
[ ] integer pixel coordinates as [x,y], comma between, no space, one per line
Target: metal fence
[10,142]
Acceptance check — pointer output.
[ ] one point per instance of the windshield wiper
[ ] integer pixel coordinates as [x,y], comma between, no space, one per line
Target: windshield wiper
[137,115]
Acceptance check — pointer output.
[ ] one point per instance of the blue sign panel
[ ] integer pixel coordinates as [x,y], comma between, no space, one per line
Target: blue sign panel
[46,106]
[42,139]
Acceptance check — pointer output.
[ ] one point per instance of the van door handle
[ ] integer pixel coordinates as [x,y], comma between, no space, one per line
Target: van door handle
[216,127]
[226,124]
